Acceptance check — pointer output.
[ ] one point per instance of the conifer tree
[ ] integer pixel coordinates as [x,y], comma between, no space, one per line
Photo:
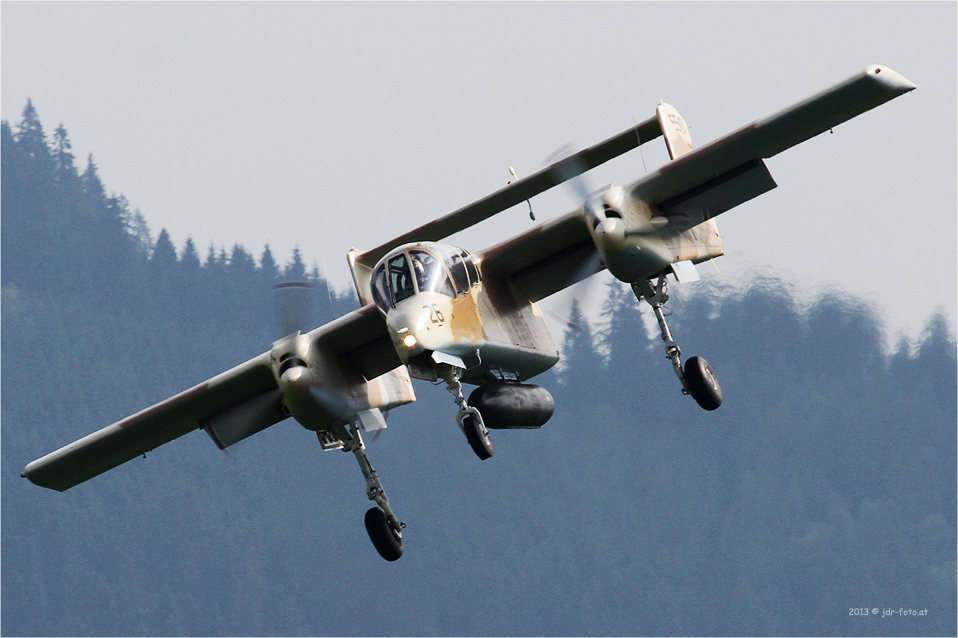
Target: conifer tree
[189,259]
[296,269]
[28,202]
[210,262]
[164,253]
[31,139]
[19,237]
[92,186]
[66,196]
[140,231]
[625,338]
[581,361]
[64,163]
[267,265]
[241,263]
[7,144]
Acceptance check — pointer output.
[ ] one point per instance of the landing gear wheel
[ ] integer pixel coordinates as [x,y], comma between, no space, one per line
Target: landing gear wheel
[479,441]
[702,384]
[385,540]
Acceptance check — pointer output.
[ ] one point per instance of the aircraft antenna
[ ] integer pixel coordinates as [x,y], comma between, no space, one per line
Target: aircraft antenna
[532,215]
[329,294]
[639,140]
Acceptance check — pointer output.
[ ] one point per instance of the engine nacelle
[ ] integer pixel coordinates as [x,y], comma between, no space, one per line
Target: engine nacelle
[512,406]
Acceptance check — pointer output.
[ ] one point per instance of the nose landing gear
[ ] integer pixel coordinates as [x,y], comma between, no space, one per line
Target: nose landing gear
[468,417]
[476,433]
[697,377]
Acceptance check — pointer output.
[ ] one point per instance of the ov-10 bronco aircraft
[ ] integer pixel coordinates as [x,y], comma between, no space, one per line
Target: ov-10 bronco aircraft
[437,312]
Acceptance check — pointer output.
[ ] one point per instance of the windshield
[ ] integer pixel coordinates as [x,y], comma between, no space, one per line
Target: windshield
[430,275]
[381,288]
[400,281]
[401,275]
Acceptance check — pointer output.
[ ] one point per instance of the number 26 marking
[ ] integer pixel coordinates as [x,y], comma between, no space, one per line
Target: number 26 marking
[435,315]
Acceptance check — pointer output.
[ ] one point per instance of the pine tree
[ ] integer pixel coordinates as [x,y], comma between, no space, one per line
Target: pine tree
[189,259]
[268,266]
[19,236]
[67,193]
[210,262]
[31,138]
[296,269]
[92,186]
[28,202]
[140,232]
[241,263]
[8,146]
[625,339]
[164,254]
[114,222]
[582,365]
[64,163]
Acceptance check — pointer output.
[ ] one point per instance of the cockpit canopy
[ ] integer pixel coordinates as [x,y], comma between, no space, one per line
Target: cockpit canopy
[424,267]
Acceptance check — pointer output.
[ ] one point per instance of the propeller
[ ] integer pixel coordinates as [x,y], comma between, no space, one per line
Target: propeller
[296,311]
[572,174]
[604,206]
[292,302]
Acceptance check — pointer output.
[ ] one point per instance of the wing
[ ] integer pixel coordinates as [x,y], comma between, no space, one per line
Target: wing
[360,343]
[692,188]
[230,407]
[546,258]
[729,171]
[161,423]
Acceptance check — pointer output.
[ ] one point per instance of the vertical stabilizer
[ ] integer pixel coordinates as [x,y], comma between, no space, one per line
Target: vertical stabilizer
[702,242]
[674,129]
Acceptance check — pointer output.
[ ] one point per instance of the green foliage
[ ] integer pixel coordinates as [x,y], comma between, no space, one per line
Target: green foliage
[825,482]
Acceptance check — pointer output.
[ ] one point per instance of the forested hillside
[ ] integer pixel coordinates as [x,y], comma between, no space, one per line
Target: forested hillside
[824,486]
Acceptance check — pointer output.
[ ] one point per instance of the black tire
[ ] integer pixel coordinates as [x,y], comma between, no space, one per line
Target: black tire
[703,386]
[480,444]
[381,534]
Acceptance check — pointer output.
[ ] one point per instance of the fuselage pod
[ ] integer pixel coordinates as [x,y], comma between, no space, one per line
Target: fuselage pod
[512,406]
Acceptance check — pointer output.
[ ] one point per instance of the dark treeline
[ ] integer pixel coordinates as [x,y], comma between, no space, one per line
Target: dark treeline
[824,486]
[63,236]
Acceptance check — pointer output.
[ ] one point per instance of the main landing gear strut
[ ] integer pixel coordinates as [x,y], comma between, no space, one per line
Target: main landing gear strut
[384,529]
[382,525]
[697,377]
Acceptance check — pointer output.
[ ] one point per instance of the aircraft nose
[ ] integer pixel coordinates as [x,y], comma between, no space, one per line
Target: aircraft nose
[404,334]
[420,324]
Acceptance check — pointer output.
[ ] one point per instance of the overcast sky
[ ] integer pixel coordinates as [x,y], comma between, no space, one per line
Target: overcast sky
[330,126]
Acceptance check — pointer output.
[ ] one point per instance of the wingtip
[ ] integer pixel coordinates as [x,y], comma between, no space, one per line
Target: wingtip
[29,474]
[33,472]
[890,79]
